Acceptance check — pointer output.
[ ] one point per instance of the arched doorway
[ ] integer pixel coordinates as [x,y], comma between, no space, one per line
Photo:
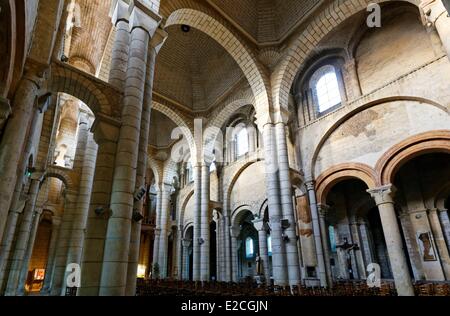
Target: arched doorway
[419,181]
[355,234]
[247,247]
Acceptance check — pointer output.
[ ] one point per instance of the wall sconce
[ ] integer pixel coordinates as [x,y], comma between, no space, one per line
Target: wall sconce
[104,212]
[137,216]
[285,224]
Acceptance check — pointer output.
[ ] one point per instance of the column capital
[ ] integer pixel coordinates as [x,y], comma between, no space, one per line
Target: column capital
[431,11]
[234,231]
[143,17]
[158,39]
[310,185]
[323,209]
[383,195]
[105,129]
[5,108]
[441,210]
[186,242]
[120,12]
[259,224]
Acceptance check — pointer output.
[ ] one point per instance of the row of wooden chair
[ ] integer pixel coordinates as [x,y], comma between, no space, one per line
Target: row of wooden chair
[197,288]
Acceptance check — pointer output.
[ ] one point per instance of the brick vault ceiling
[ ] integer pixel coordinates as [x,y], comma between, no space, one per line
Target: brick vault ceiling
[90,38]
[194,70]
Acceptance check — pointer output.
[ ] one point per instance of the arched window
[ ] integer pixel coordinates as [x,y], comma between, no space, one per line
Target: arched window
[213,166]
[189,172]
[241,142]
[249,248]
[325,86]
[269,245]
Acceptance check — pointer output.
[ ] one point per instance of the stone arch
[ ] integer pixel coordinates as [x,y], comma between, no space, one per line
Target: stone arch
[156,168]
[179,120]
[336,13]
[220,117]
[441,197]
[183,206]
[59,173]
[335,125]
[12,47]
[240,52]
[262,208]
[234,177]
[341,172]
[398,155]
[237,214]
[170,171]
[67,79]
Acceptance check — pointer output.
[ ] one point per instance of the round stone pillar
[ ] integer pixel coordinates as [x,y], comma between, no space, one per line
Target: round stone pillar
[280,272]
[50,266]
[23,238]
[13,140]
[323,211]
[290,236]
[205,220]
[163,238]
[105,135]
[260,226]
[383,197]
[234,233]
[197,226]
[436,15]
[310,186]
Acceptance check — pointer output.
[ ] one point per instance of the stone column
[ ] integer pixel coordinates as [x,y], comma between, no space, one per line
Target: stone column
[62,246]
[360,270]
[117,242]
[323,211]
[163,238]
[287,206]
[180,257]
[186,244]
[23,238]
[234,233]
[383,197]
[310,186]
[437,16]
[197,228]
[353,79]
[133,256]
[205,220]
[279,264]
[13,140]
[7,242]
[5,110]
[366,244]
[158,226]
[260,226]
[50,266]
[17,203]
[81,209]
[26,260]
[105,134]
[445,223]
[226,239]
[120,50]
[440,241]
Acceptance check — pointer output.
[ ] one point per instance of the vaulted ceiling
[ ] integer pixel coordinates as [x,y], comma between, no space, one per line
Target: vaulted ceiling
[192,70]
